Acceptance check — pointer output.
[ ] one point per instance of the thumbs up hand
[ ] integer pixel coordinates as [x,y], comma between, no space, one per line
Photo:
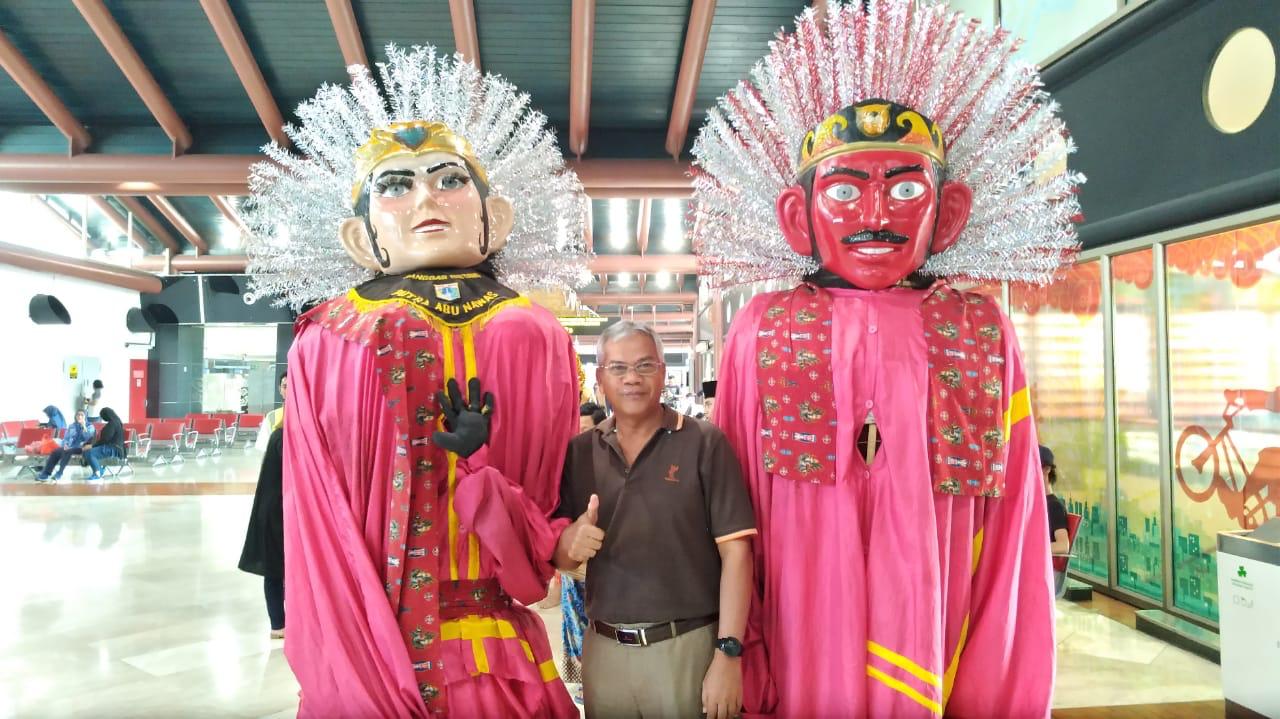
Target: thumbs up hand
[582,539]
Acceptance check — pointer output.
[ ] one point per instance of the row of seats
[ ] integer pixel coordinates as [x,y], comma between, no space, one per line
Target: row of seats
[201,435]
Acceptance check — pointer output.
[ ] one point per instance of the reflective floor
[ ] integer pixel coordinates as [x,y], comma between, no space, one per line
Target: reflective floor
[123,599]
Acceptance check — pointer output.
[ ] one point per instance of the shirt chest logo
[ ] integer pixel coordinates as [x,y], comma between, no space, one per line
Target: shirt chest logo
[671,473]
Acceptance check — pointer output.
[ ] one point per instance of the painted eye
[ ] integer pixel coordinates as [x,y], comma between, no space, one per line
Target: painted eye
[452,181]
[843,192]
[908,190]
[393,187]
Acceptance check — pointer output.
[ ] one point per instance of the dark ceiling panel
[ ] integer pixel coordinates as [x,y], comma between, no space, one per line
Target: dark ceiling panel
[528,44]
[295,46]
[205,220]
[404,23]
[635,62]
[179,47]
[740,36]
[58,42]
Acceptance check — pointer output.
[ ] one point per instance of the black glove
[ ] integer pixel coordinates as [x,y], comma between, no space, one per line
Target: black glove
[468,423]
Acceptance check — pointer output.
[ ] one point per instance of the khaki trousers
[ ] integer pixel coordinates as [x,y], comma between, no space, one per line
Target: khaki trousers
[660,681]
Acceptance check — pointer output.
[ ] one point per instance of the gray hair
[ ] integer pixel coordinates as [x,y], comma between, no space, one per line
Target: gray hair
[626,328]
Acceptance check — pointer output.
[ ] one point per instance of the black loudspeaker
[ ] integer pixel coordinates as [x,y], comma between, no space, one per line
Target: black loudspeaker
[138,321]
[146,319]
[223,285]
[48,310]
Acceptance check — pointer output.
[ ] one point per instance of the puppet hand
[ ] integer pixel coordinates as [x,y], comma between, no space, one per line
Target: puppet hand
[467,421]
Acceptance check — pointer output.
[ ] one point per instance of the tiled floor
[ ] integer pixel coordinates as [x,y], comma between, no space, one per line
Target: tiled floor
[123,599]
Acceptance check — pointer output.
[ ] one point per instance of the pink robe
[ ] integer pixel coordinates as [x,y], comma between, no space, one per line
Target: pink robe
[876,596]
[343,642]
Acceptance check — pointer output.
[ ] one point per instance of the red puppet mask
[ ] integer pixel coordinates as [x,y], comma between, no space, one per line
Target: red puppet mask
[871,203]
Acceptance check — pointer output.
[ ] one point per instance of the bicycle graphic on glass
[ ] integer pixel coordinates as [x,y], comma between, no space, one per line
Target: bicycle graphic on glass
[1207,465]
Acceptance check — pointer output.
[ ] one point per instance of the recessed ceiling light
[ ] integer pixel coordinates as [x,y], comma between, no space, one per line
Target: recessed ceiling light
[663,280]
[624,279]
[673,227]
[619,230]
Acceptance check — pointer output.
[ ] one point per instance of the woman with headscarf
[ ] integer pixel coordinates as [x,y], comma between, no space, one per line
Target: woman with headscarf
[110,443]
[263,552]
[56,421]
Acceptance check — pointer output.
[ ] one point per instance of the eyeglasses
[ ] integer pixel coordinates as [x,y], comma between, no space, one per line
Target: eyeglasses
[644,368]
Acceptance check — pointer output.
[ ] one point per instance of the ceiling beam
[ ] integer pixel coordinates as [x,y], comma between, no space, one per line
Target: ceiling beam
[642,226]
[101,272]
[465,39]
[120,221]
[229,211]
[176,219]
[246,67]
[695,49]
[635,298]
[211,264]
[582,31]
[348,32]
[99,18]
[149,221]
[228,175]
[42,95]
[636,264]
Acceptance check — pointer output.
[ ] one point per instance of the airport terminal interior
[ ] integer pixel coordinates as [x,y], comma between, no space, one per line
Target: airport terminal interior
[145,266]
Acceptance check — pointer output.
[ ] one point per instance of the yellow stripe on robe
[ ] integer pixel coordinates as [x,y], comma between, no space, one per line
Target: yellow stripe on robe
[469,363]
[446,341]
[1019,409]
[904,689]
[476,629]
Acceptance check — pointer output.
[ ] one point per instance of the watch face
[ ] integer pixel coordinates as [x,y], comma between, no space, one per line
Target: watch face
[730,646]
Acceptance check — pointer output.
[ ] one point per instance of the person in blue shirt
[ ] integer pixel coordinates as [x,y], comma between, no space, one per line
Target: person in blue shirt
[56,420]
[78,435]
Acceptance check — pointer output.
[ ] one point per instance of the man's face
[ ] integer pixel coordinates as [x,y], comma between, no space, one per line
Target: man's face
[874,216]
[284,386]
[631,393]
[426,212]
[708,404]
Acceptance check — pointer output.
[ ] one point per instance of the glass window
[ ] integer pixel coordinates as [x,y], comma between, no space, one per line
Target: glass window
[1139,562]
[1047,26]
[984,10]
[1061,332]
[1224,361]
[240,373]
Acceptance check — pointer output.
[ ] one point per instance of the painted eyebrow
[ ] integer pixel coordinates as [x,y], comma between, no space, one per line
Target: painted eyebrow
[846,171]
[895,171]
[443,165]
[393,173]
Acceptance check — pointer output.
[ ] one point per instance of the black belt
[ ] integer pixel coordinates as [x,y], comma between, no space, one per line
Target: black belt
[644,636]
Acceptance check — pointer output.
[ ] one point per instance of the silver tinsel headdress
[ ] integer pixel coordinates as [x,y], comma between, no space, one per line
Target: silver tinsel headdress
[1004,140]
[297,203]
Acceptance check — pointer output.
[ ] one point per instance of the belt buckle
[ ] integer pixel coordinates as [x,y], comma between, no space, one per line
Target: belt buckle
[630,637]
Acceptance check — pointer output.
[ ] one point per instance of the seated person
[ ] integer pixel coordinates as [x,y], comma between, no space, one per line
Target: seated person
[1059,540]
[56,420]
[110,443]
[78,435]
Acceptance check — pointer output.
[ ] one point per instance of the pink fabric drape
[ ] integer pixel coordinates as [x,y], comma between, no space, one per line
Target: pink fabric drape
[343,642]
[865,587]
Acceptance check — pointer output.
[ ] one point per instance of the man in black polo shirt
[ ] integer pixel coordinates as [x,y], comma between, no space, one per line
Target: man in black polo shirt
[663,513]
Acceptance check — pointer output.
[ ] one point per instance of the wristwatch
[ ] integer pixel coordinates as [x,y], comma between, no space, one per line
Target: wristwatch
[730,646]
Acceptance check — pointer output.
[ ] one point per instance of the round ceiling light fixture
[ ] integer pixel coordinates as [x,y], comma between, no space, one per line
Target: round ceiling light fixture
[1240,81]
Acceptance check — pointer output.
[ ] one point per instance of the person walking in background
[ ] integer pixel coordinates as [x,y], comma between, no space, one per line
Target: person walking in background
[274,419]
[110,443]
[263,552]
[92,398]
[1059,539]
[709,399]
[78,435]
[56,421]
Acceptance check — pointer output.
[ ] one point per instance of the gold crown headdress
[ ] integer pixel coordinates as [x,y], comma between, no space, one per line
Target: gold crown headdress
[412,138]
[870,125]
[425,102]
